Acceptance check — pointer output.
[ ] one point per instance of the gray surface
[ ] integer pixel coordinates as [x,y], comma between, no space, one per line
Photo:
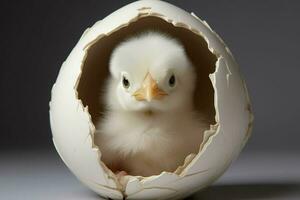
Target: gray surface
[35,176]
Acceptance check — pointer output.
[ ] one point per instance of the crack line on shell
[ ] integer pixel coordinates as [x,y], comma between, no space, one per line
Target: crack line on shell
[103,186]
[144,8]
[196,173]
[149,188]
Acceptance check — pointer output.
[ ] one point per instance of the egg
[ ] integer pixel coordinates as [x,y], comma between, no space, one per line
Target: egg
[221,93]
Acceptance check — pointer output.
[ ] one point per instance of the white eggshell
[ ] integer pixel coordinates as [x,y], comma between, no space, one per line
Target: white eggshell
[73,128]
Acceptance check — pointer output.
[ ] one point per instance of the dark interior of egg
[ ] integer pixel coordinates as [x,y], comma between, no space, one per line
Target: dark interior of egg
[95,66]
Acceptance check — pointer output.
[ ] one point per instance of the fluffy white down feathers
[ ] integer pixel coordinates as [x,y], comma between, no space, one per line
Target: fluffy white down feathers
[149,124]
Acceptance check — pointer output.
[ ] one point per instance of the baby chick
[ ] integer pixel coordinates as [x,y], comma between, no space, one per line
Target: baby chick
[150,124]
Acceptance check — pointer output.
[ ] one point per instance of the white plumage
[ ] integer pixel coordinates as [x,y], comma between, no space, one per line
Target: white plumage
[149,124]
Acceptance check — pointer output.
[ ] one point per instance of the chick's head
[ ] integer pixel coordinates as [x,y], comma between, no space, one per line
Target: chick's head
[152,72]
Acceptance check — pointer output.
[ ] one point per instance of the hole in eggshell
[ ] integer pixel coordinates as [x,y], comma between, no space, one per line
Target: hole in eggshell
[95,66]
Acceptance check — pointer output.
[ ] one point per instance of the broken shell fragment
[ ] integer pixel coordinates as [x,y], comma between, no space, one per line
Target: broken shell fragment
[221,94]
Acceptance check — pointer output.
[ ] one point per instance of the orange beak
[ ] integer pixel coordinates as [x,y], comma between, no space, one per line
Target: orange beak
[149,90]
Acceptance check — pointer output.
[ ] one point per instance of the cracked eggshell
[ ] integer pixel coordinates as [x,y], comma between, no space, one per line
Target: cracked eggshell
[73,129]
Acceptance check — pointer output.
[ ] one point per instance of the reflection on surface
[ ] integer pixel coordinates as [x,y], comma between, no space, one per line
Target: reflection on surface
[249,191]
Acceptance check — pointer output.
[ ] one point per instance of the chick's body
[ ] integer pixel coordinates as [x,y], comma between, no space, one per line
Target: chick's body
[150,125]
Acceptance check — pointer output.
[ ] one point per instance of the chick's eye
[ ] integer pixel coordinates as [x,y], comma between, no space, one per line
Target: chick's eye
[125,82]
[172,81]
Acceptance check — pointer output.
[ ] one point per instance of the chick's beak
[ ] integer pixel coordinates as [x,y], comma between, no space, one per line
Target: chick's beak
[149,90]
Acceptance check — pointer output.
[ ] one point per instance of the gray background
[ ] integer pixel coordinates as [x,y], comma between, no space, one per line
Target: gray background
[37,36]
